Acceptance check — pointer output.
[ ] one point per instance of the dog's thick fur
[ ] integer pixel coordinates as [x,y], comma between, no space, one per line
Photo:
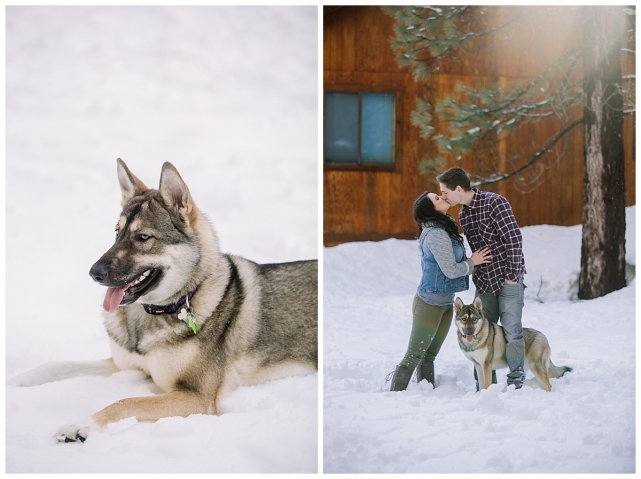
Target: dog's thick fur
[483,343]
[254,322]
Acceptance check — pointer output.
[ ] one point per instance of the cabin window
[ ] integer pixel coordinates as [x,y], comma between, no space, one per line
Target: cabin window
[360,128]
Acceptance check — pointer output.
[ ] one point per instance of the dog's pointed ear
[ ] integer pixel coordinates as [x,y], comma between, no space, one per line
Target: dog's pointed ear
[458,305]
[478,304]
[129,184]
[174,191]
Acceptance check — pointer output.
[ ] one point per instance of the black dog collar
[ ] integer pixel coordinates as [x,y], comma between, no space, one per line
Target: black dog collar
[169,308]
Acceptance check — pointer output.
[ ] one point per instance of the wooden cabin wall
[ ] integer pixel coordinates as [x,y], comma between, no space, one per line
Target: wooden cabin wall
[375,205]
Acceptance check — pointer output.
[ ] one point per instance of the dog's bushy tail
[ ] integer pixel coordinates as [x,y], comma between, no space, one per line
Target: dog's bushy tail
[558,371]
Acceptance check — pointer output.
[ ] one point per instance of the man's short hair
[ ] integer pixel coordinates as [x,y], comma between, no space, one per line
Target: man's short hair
[455,177]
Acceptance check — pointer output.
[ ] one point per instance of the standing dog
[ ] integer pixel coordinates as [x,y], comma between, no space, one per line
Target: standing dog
[199,322]
[483,343]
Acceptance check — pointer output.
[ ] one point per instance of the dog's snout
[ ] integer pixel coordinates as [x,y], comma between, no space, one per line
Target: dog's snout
[99,272]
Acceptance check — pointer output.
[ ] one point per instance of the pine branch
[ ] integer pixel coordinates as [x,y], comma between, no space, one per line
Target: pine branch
[441,33]
[547,148]
[482,120]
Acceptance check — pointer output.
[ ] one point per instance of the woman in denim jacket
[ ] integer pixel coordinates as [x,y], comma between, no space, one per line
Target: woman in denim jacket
[446,271]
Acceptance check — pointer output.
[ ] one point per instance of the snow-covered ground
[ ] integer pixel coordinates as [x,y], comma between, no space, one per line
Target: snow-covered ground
[586,424]
[227,94]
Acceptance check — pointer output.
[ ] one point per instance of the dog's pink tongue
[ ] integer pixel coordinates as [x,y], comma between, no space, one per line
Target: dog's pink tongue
[469,338]
[113,298]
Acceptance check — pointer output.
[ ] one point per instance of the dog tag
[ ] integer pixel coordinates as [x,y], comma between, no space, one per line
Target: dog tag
[191,322]
[189,318]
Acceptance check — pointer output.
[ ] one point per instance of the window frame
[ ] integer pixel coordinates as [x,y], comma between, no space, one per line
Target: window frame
[395,165]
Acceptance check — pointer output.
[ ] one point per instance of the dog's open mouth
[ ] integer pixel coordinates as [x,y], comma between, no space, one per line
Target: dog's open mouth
[131,291]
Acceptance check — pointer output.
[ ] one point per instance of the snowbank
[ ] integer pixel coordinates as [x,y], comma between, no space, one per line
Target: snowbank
[586,424]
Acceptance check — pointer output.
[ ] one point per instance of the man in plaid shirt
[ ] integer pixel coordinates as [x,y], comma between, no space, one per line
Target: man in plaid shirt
[487,220]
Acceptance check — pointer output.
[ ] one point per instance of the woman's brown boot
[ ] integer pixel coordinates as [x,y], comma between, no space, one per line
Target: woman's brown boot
[401,378]
[425,371]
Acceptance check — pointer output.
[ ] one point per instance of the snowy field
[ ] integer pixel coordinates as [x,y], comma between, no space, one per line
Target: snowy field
[229,96]
[586,424]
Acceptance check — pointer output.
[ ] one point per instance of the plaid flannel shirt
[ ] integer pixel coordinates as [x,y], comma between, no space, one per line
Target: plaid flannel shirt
[489,221]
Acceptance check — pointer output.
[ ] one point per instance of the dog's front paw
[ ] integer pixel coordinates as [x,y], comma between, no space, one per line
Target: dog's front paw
[72,433]
[25,380]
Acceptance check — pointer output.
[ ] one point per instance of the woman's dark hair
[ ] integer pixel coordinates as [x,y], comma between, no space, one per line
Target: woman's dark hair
[424,212]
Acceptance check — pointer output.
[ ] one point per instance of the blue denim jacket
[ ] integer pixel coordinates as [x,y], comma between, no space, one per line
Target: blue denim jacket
[433,280]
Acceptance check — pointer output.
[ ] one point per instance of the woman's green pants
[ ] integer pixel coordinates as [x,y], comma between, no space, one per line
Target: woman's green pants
[429,328]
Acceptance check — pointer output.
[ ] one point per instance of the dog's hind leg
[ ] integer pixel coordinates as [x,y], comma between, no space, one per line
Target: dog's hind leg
[59,370]
[540,371]
[145,409]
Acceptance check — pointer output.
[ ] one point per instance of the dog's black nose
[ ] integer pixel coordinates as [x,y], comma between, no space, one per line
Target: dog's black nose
[99,272]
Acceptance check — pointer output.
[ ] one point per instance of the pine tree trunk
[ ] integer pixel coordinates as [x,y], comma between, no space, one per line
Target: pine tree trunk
[603,240]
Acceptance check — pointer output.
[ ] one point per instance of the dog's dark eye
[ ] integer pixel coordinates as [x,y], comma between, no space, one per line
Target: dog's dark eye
[142,237]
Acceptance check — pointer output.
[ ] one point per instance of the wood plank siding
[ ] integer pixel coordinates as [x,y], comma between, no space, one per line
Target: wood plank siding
[370,205]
